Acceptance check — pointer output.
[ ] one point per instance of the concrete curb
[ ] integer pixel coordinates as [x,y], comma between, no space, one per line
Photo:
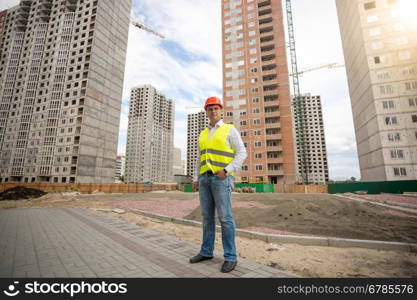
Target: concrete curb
[291,239]
[404,208]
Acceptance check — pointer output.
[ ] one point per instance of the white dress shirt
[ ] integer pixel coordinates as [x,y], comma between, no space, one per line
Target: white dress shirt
[234,141]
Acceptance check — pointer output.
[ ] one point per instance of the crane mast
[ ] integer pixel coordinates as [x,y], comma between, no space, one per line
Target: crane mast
[297,103]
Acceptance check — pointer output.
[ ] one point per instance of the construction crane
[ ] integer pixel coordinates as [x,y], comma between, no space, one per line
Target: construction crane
[144,27]
[329,66]
[298,109]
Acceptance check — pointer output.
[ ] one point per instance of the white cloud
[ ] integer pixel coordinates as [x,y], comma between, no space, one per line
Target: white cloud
[188,75]
[6,4]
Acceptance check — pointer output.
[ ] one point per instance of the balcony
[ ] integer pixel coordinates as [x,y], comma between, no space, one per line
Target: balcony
[264,12]
[271,98]
[264,3]
[275,172]
[269,77]
[268,57]
[273,148]
[267,48]
[265,21]
[264,30]
[270,88]
[276,136]
[268,38]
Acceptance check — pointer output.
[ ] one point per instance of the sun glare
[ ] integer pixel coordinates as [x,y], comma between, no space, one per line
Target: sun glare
[407,10]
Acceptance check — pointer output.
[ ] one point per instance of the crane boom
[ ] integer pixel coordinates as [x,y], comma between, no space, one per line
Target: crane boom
[148,29]
[329,66]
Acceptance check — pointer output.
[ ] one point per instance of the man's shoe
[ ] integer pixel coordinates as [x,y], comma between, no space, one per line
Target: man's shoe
[228,266]
[198,258]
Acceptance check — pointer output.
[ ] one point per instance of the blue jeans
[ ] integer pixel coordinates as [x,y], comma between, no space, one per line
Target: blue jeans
[215,194]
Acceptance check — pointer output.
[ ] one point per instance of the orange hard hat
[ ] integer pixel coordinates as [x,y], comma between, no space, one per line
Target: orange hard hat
[213,101]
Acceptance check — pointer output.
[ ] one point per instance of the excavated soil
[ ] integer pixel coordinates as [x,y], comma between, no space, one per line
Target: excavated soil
[321,215]
[20,193]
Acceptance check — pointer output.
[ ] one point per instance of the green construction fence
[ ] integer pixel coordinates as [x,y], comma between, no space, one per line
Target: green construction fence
[374,187]
[260,187]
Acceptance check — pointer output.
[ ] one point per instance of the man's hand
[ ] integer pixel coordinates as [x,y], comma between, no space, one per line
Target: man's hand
[195,186]
[221,174]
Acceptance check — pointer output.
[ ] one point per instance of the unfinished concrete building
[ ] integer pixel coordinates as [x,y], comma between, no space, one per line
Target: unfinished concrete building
[150,134]
[315,154]
[196,123]
[380,48]
[256,88]
[61,79]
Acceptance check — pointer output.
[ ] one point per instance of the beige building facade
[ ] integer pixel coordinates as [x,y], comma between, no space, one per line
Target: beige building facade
[196,123]
[315,156]
[150,134]
[380,48]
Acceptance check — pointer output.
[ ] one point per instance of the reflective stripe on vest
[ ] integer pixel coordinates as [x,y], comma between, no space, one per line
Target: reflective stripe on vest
[215,154]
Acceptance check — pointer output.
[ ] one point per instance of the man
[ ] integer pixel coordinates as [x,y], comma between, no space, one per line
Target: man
[221,153]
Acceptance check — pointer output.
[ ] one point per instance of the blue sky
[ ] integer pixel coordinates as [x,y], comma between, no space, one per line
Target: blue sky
[186,66]
[193,44]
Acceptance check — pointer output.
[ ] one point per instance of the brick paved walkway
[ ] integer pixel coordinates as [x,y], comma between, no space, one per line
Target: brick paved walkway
[73,242]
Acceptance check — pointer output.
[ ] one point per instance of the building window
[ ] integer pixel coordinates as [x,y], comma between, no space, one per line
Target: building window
[411,85]
[369,5]
[412,102]
[374,31]
[396,153]
[414,118]
[245,168]
[372,18]
[400,172]
[258,167]
[394,137]
[388,104]
[258,144]
[390,120]
[404,55]
[258,155]
[386,89]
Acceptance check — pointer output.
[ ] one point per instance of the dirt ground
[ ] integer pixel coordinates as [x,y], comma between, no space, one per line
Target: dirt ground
[305,261]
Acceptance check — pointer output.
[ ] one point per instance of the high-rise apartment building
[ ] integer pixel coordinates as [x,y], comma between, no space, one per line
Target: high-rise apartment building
[256,88]
[196,123]
[61,79]
[177,167]
[150,134]
[315,154]
[119,171]
[380,47]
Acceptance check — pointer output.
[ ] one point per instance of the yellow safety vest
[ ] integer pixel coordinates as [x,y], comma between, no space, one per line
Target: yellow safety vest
[215,154]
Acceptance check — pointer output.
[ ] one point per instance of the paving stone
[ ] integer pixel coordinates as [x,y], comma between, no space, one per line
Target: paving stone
[74,242]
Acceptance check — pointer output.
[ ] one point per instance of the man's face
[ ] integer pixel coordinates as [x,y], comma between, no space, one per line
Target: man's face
[214,113]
